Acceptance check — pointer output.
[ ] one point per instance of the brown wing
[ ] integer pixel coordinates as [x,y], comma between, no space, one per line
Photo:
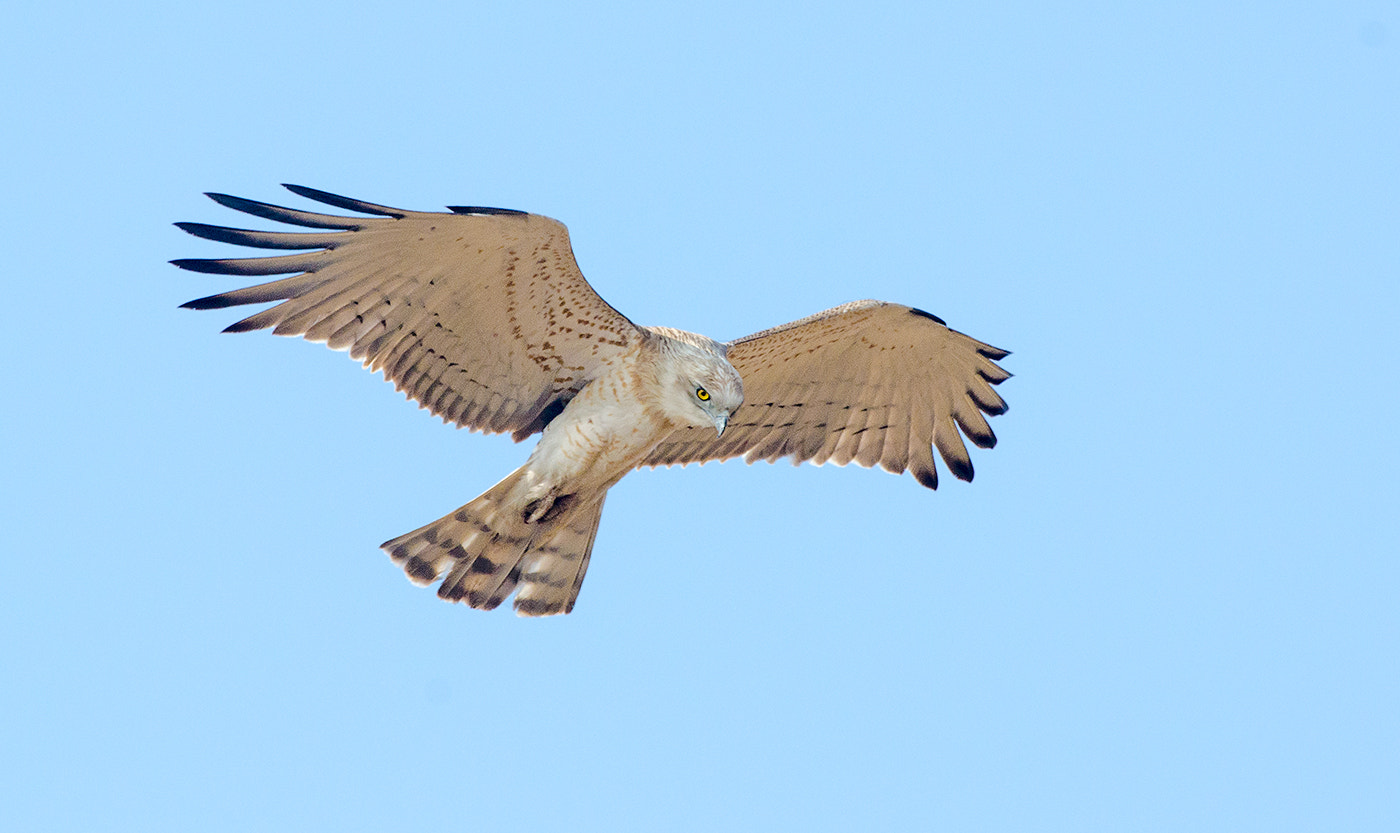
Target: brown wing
[868,382]
[482,315]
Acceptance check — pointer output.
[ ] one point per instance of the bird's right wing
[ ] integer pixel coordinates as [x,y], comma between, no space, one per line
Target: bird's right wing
[481,315]
[867,382]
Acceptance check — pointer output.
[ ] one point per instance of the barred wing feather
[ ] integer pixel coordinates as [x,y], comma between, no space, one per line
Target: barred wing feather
[867,382]
[482,315]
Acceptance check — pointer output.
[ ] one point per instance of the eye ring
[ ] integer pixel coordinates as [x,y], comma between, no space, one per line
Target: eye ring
[702,394]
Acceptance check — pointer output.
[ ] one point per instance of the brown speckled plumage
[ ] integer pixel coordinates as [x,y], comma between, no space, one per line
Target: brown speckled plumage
[483,317]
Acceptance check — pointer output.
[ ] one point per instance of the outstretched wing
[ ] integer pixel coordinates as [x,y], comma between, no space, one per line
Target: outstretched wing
[482,315]
[868,382]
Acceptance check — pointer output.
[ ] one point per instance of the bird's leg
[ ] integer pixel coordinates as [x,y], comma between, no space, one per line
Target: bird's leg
[544,504]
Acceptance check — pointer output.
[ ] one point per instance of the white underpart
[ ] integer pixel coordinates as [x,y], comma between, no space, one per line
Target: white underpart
[603,434]
[621,416]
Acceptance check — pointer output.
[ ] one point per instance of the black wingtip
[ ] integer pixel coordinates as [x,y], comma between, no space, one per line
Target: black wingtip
[258,209]
[481,209]
[926,477]
[962,470]
[218,234]
[228,200]
[930,316]
[347,203]
[194,264]
[207,302]
[994,408]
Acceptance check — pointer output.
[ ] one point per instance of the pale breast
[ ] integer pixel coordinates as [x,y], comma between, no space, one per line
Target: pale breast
[604,432]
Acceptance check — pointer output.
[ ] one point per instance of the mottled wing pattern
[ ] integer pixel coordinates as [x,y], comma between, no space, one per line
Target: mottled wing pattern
[867,382]
[482,315]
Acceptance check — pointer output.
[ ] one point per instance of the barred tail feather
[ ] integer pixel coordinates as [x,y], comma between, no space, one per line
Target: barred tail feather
[487,549]
[553,570]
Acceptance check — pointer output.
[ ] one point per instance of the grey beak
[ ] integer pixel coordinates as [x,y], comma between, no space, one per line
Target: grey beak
[721,420]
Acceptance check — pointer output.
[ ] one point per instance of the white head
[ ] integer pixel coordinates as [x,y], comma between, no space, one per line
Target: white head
[699,387]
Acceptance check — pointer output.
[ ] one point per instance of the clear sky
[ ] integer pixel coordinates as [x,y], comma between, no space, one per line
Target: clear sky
[1168,602]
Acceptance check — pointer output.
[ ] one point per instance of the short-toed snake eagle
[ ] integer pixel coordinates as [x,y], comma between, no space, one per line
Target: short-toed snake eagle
[484,318]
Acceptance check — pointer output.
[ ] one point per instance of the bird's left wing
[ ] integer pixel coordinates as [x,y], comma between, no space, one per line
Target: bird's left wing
[867,382]
[480,315]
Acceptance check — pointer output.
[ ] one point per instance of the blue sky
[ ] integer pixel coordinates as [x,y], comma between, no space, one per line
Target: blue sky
[1168,601]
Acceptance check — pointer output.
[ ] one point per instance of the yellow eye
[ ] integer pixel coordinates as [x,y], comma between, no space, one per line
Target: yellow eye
[702,394]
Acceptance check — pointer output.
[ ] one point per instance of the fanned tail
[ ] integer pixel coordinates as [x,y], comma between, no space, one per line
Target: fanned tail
[555,565]
[487,549]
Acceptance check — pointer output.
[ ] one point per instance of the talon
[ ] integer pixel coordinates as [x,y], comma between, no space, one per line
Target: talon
[546,508]
[537,509]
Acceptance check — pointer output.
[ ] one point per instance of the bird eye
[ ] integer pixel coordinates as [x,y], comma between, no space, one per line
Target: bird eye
[702,394]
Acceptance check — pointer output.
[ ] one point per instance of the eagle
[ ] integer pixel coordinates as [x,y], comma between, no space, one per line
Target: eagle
[483,317]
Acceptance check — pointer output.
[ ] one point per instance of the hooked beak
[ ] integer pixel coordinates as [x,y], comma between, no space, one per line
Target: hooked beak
[721,420]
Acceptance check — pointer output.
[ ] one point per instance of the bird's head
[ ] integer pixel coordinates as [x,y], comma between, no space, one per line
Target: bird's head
[699,387]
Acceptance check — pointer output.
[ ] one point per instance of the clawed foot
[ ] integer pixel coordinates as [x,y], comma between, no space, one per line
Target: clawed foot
[546,507]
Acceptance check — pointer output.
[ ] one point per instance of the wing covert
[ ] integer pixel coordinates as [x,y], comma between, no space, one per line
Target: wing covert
[481,315]
[866,382]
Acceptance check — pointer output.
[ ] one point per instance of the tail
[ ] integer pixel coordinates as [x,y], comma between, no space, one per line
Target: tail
[487,549]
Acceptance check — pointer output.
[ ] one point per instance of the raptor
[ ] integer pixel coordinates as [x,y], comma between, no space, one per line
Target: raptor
[482,316]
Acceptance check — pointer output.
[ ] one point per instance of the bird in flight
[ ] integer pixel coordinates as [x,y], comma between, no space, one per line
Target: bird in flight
[484,318]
